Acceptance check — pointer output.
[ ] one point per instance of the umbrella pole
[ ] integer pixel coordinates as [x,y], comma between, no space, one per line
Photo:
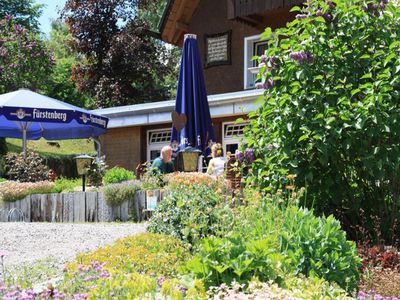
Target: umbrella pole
[24,141]
[98,148]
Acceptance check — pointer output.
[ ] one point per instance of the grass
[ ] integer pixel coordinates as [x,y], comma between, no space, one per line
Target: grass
[64,147]
[28,274]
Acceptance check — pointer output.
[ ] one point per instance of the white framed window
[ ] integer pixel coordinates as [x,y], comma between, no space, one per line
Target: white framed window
[253,46]
[232,136]
[156,139]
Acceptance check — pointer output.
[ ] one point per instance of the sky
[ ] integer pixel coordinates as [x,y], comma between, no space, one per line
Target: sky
[50,12]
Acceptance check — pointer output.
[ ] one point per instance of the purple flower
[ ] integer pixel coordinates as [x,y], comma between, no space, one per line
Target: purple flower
[302,56]
[9,18]
[18,29]
[302,16]
[319,13]
[160,280]
[104,274]
[239,155]
[181,289]
[249,156]
[264,58]
[328,17]
[331,4]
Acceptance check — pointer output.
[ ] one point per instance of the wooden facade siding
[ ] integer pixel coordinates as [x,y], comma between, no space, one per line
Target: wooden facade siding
[244,8]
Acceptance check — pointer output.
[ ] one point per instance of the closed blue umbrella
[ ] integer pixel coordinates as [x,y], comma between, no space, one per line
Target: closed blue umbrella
[191,119]
[30,116]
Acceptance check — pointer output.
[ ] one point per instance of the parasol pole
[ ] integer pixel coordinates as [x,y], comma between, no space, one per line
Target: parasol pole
[98,148]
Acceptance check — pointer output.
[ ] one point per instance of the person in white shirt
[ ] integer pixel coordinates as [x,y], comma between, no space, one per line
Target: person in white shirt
[217,164]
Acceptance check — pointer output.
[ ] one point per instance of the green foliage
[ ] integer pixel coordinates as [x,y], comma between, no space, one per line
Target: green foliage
[268,241]
[28,274]
[61,85]
[3,146]
[25,62]
[62,165]
[190,213]
[29,169]
[117,193]
[117,174]
[235,258]
[64,185]
[96,172]
[127,64]
[293,287]
[137,267]
[148,253]
[331,113]
[152,179]
[24,12]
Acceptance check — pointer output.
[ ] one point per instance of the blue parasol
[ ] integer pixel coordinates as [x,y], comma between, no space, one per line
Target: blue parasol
[192,125]
[30,116]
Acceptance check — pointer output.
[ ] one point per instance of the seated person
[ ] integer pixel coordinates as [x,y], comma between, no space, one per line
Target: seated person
[164,163]
[216,166]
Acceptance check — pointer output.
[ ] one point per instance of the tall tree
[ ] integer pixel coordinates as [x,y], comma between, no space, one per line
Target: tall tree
[60,85]
[124,64]
[24,12]
[25,62]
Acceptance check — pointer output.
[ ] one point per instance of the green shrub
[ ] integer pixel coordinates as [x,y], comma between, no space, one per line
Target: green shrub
[117,193]
[96,172]
[3,147]
[28,169]
[117,174]
[267,232]
[237,258]
[331,112]
[63,165]
[64,185]
[190,213]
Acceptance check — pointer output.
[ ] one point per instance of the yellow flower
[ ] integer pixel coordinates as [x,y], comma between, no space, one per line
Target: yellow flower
[289,187]
[291,176]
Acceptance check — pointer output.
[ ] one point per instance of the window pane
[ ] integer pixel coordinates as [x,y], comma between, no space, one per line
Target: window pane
[231,148]
[154,154]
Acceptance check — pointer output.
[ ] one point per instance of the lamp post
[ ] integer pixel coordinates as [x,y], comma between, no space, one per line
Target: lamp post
[82,165]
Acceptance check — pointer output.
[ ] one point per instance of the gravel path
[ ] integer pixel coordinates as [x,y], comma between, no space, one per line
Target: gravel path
[28,242]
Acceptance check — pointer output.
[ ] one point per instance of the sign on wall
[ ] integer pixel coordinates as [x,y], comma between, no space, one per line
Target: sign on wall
[218,49]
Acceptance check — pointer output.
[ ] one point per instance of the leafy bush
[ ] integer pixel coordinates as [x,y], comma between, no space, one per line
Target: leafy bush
[11,191]
[63,165]
[190,213]
[116,194]
[64,185]
[291,240]
[96,172]
[237,258]
[330,113]
[152,179]
[117,174]
[3,147]
[29,169]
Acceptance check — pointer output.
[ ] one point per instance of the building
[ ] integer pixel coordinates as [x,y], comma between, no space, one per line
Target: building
[228,34]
